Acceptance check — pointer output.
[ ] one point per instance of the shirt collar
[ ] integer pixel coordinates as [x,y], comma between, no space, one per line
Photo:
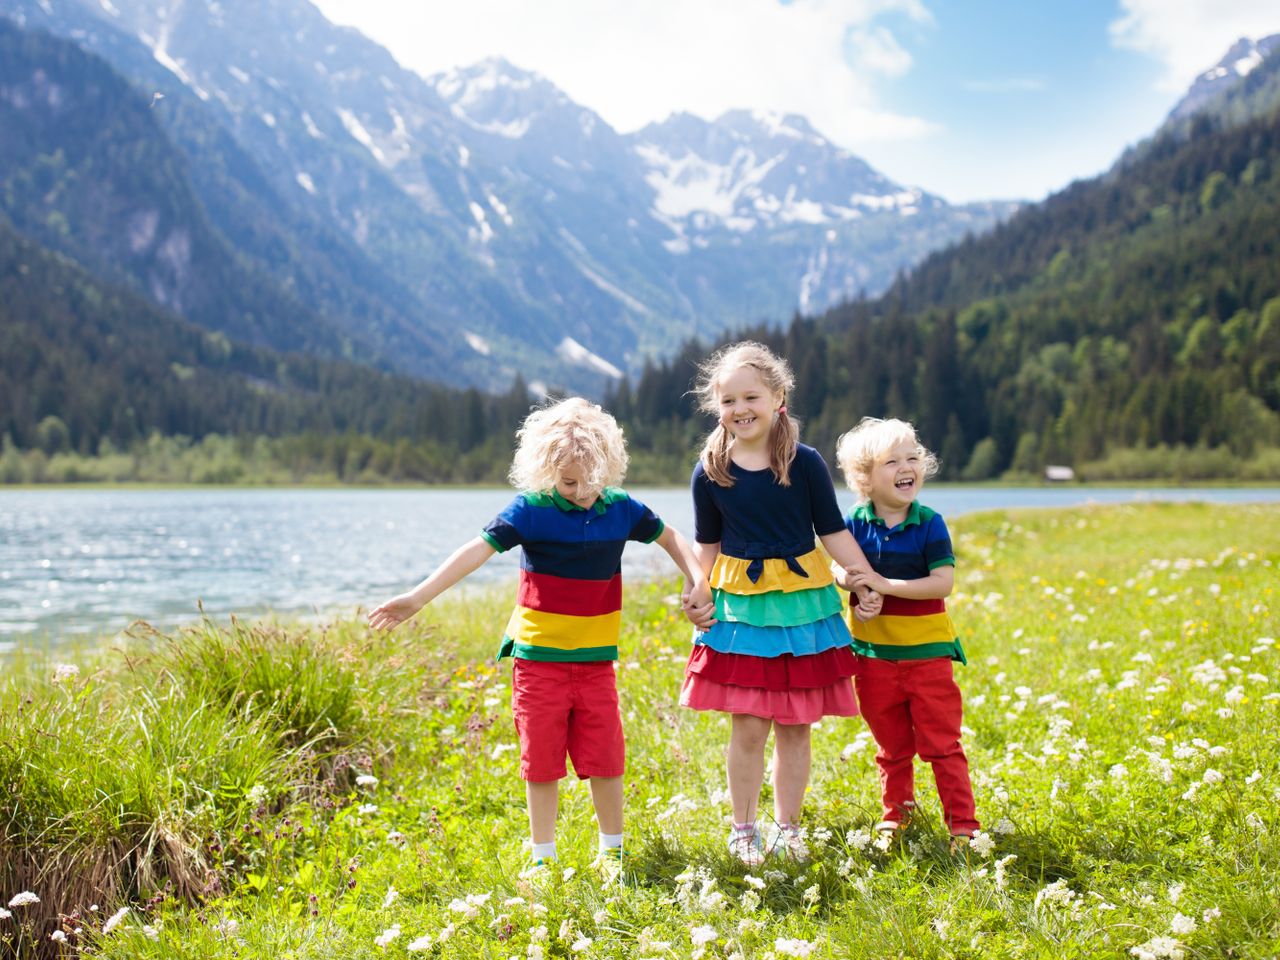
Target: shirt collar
[867,511]
[568,505]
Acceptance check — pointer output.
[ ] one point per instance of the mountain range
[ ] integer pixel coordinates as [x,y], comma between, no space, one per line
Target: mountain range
[299,189]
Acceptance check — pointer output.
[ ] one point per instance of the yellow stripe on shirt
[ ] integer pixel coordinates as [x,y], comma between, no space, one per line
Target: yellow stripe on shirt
[561,631]
[905,631]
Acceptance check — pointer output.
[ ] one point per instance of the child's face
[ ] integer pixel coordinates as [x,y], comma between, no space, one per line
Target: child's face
[896,478]
[747,406]
[571,485]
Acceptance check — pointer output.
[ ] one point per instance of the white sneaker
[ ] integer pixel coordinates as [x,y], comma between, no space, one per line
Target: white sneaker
[789,841]
[747,847]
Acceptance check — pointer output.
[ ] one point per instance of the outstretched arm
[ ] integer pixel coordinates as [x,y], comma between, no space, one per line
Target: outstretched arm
[465,560]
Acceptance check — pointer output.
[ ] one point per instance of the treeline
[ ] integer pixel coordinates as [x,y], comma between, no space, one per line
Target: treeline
[1135,312]
[89,370]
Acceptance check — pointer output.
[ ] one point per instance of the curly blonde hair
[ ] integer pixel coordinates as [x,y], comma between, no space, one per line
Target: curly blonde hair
[776,375]
[572,431]
[859,450]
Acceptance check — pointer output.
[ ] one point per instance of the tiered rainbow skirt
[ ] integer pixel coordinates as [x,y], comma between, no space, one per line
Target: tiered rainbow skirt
[780,648]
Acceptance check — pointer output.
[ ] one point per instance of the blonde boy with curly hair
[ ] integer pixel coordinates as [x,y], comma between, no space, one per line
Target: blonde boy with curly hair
[571,522]
[904,682]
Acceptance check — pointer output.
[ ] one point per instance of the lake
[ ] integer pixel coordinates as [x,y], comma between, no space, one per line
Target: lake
[92,561]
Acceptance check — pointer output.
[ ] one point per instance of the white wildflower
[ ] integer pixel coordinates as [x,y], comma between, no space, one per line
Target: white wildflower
[257,795]
[1212,776]
[1253,777]
[1254,822]
[812,895]
[750,901]
[5,914]
[753,881]
[387,935]
[58,936]
[113,921]
[1002,866]
[367,809]
[420,945]
[793,948]
[1182,924]
[582,943]
[366,780]
[390,898]
[1118,771]
[1175,892]
[1157,948]
[701,935]
[1210,915]
[150,932]
[24,899]
[982,844]
[1004,826]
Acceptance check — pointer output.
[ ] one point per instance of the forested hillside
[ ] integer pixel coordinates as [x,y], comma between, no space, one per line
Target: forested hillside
[1134,312]
[88,369]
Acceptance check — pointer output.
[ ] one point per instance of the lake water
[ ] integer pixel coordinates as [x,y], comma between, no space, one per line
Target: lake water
[92,561]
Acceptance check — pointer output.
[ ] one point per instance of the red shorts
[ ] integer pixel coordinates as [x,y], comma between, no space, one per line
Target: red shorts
[567,709]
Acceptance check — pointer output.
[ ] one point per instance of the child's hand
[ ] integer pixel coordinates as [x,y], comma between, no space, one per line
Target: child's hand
[868,607]
[842,577]
[870,580]
[700,607]
[394,612]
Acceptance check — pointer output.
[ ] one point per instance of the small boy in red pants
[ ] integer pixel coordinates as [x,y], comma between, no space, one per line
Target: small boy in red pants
[904,682]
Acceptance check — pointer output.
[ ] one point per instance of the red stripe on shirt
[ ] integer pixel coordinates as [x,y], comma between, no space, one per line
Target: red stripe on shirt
[902,607]
[579,598]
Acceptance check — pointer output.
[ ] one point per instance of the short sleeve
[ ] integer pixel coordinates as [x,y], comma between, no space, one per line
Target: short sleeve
[506,529]
[827,517]
[646,526]
[708,522]
[937,545]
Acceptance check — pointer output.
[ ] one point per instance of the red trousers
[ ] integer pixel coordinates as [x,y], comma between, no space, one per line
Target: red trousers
[913,707]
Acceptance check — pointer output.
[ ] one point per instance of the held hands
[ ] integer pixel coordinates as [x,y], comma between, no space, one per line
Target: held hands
[868,606]
[699,607]
[869,580]
[865,586]
[394,612]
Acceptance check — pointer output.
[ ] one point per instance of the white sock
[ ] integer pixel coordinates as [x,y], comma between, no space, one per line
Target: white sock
[610,841]
[544,851]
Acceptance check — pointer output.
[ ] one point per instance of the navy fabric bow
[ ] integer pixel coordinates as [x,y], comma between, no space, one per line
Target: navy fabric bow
[756,567]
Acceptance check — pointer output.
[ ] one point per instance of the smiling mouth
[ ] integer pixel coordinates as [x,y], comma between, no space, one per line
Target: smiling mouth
[744,421]
[906,483]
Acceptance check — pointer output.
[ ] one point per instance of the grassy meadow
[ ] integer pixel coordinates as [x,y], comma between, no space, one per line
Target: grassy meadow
[274,791]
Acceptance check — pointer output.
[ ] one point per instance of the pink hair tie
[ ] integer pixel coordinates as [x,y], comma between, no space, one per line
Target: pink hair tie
[782,409]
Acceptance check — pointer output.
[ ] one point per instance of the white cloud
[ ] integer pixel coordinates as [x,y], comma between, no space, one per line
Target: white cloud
[634,63]
[1190,36]
[876,49]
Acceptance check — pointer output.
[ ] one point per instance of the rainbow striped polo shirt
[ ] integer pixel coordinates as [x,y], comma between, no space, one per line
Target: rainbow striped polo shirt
[905,629]
[569,606]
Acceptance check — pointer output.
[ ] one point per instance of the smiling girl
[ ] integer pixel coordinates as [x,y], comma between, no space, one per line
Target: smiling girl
[778,656]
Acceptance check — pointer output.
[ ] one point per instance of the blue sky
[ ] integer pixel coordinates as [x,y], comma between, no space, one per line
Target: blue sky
[970,100]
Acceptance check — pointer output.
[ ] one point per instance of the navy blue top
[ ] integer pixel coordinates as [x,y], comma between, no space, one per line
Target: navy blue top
[758,518]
